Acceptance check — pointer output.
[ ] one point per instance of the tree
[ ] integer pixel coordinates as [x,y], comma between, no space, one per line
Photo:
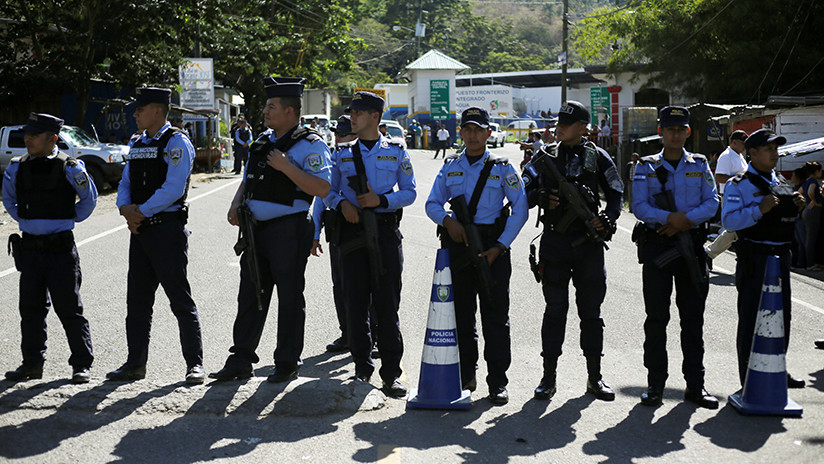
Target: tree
[714,50]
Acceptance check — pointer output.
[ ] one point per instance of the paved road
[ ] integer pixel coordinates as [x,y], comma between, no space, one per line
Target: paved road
[322,417]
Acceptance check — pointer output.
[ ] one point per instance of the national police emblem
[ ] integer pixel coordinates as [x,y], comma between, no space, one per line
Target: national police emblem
[315,162]
[175,155]
[443,292]
[406,166]
[512,181]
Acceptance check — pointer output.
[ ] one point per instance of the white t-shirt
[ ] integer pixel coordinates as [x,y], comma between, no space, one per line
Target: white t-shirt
[730,163]
[443,134]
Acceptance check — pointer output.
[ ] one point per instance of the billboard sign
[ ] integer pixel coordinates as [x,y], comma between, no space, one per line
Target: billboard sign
[496,99]
[197,78]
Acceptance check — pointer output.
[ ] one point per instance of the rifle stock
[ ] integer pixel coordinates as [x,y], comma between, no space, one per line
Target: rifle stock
[475,248]
[246,243]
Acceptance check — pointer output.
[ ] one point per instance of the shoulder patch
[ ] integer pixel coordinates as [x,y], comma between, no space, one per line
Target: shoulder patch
[81,180]
[175,155]
[709,179]
[315,162]
[512,181]
[406,166]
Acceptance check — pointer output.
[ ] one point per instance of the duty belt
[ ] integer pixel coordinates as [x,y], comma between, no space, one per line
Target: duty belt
[261,224]
[159,218]
[746,246]
[61,241]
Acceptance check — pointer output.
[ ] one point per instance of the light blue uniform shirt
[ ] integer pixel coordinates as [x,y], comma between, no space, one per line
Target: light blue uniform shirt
[310,155]
[239,140]
[318,206]
[179,154]
[77,177]
[458,177]
[741,199]
[386,165]
[691,182]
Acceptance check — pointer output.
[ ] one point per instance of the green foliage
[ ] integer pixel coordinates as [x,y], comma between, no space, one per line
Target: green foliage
[714,50]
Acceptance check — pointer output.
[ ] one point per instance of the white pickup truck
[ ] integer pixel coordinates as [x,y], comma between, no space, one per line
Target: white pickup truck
[104,161]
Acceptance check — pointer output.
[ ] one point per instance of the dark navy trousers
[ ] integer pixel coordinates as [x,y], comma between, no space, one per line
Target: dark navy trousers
[494,319]
[584,264]
[658,283]
[54,274]
[158,255]
[283,247]
[359,295]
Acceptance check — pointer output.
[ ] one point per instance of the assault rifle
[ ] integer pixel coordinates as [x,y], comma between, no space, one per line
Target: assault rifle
[476,244]
[683,245]
[572,196]
[246,243]
[370,232]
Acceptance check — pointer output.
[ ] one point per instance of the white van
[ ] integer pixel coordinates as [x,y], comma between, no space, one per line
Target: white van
[104,161]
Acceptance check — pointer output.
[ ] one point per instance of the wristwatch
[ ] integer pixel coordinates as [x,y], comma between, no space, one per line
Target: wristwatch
[501,247]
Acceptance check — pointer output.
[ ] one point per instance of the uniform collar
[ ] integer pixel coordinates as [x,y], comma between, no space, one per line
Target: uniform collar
[685,157]
[159,133]
[772,179]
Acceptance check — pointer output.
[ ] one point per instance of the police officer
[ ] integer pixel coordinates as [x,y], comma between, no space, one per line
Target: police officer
[686,178]
[243,140]
[152,198]
[288,165]
[486,182]
[569,247]
[343,135]
[385,165]
[46,192]
[761,207]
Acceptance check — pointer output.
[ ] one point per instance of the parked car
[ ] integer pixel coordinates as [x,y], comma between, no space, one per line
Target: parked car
[323,127]
[395,131]
[104,161]
[497,137]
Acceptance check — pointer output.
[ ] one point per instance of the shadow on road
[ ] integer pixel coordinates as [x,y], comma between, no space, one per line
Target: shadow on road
[729,429]
[23,393]
[722,280]
[818,380]
[524,433]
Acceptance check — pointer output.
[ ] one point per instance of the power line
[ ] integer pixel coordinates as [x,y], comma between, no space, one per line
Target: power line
[777,52]
[699,29]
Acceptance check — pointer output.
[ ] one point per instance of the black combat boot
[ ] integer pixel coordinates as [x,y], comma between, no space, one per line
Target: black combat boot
[595,384]
[546,389]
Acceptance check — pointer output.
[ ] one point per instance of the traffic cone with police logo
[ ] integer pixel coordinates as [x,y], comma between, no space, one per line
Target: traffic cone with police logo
[439,385]
[765,387]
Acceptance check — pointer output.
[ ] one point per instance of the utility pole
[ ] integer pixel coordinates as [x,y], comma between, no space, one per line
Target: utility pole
[564,63]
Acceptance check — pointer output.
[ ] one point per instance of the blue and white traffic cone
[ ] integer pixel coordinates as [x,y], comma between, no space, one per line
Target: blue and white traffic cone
[765,387]
[439,385]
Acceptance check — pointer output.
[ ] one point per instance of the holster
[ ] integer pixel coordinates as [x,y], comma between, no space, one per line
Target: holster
[14,249]
[331,223]
[639,238]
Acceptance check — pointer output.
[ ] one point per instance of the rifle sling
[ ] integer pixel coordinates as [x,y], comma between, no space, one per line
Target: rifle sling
[479,188]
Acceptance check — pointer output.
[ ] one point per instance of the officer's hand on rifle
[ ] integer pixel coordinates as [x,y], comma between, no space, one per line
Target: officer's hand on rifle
[768,203]
[799,201]
[456,230]
[677,222]
[597,223]
[492,254]
[232,215]
[278,160]
[317,248]
[350,212]
[549,200]
[369,199]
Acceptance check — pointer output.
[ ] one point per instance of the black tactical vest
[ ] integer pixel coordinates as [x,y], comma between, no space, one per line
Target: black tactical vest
[265,183]
[42,189]
[582,171]
[778,225]
[147,169]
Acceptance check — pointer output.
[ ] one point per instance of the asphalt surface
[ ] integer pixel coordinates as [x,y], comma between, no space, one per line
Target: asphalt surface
[323,417]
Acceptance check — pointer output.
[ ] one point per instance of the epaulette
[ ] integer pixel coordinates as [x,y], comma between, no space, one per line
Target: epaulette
[699,157]
[739,177]
[18,159]
[67,159]
[497,159]
[395,142]
[549,149]
[649,159]
[349,144]
[451,157]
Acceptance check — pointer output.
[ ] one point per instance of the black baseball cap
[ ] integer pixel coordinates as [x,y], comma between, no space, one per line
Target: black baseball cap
[763,137]
[146,95]
[42,122]
[344,126]
[283,86]
[674,116]
[573,112]
[475,115]
[366,101]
